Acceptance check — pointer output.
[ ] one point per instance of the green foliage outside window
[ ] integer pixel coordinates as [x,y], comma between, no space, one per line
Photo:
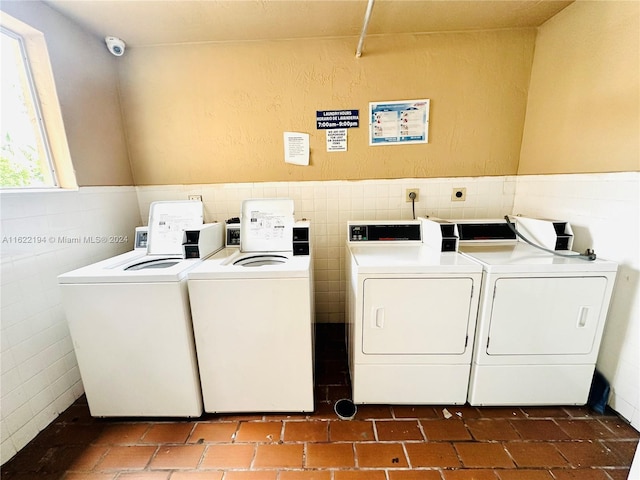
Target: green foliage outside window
[24,154]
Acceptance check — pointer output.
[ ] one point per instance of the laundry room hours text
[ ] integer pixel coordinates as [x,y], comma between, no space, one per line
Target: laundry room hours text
[65,239]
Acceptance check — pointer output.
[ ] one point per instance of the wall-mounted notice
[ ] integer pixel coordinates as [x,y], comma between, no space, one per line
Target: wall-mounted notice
[399,122]
[296,148]
[327,119]
[337,140]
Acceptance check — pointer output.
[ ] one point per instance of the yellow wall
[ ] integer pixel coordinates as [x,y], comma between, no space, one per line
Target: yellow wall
[216,113]
[583,113]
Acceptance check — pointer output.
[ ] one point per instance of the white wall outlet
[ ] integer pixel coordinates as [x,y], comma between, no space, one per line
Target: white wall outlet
[459,194]
[416,191]
[195,197]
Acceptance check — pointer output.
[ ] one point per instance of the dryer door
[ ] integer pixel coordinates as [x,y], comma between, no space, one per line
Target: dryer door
[545,316]
[406,316]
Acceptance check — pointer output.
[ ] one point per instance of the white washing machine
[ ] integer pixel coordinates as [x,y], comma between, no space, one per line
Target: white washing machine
[541,315]
[130,322]
[412,301]
[253,312]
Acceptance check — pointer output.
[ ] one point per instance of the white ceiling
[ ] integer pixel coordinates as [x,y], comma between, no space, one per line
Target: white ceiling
[154,22]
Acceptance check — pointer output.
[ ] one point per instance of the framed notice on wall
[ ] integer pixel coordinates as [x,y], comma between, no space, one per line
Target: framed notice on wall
[393,123]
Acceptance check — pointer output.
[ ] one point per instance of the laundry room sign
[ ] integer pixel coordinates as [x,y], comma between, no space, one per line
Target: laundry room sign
[328,119]
[336,122]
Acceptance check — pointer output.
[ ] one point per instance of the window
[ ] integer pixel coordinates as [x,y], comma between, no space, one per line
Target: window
[33,144]
[25,159]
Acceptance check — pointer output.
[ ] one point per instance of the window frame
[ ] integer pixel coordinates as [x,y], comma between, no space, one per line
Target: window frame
[47,162]
[47,105]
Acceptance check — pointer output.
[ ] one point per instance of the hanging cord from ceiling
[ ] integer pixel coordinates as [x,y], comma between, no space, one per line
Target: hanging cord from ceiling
[367,17]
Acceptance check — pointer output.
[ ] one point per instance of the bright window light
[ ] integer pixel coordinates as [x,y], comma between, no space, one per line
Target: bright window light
[25,156]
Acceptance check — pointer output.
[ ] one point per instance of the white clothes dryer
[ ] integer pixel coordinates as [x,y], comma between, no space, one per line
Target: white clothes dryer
[411,312]
[253,313]
[131,328]
[541,315]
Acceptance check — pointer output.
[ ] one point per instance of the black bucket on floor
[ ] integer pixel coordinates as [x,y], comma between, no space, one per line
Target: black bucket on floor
[599,393]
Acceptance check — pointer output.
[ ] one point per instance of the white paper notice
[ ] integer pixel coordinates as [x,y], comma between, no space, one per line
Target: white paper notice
[296,148]
[167,222]
[337,140]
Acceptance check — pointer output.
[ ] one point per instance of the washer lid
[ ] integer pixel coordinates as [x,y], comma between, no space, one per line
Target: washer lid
[523,258]
[167,222]
[154,263]
[267,225]
[260,260]
[231,263]
[409,259]
[125,268]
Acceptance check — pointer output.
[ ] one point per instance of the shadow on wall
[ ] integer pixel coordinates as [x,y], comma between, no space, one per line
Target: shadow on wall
[582,238]
[626,289]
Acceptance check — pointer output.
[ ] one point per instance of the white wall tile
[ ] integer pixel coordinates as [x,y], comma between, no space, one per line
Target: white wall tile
[604,211]
[19,416]
[10,381]
[24,435]
[40,377]
[7,450]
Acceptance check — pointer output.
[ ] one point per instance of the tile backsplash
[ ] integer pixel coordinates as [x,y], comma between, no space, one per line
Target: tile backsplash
[43,235]
[604,212]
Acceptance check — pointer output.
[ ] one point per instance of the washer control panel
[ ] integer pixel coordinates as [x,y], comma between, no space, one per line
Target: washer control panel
[301,238]
[233,235]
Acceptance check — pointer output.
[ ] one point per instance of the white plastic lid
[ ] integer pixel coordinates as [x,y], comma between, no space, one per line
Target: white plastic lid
[167,222]
[267,225]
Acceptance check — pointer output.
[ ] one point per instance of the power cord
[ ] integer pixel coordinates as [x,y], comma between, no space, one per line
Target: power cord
[412,196]
[589,254]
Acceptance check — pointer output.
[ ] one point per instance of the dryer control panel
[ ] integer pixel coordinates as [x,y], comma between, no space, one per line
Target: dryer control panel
[440,235]
[384,232]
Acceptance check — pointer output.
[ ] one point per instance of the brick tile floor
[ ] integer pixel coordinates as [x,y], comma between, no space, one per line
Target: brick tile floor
[383,442]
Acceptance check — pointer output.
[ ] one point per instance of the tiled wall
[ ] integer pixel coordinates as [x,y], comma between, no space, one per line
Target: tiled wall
[329,205]
[604,212]
[43,235]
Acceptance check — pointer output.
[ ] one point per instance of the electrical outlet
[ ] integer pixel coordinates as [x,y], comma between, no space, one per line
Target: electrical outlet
[409,192]
[459,194]
[195,197]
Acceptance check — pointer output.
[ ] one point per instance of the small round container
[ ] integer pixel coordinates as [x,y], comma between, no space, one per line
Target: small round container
[345,409]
